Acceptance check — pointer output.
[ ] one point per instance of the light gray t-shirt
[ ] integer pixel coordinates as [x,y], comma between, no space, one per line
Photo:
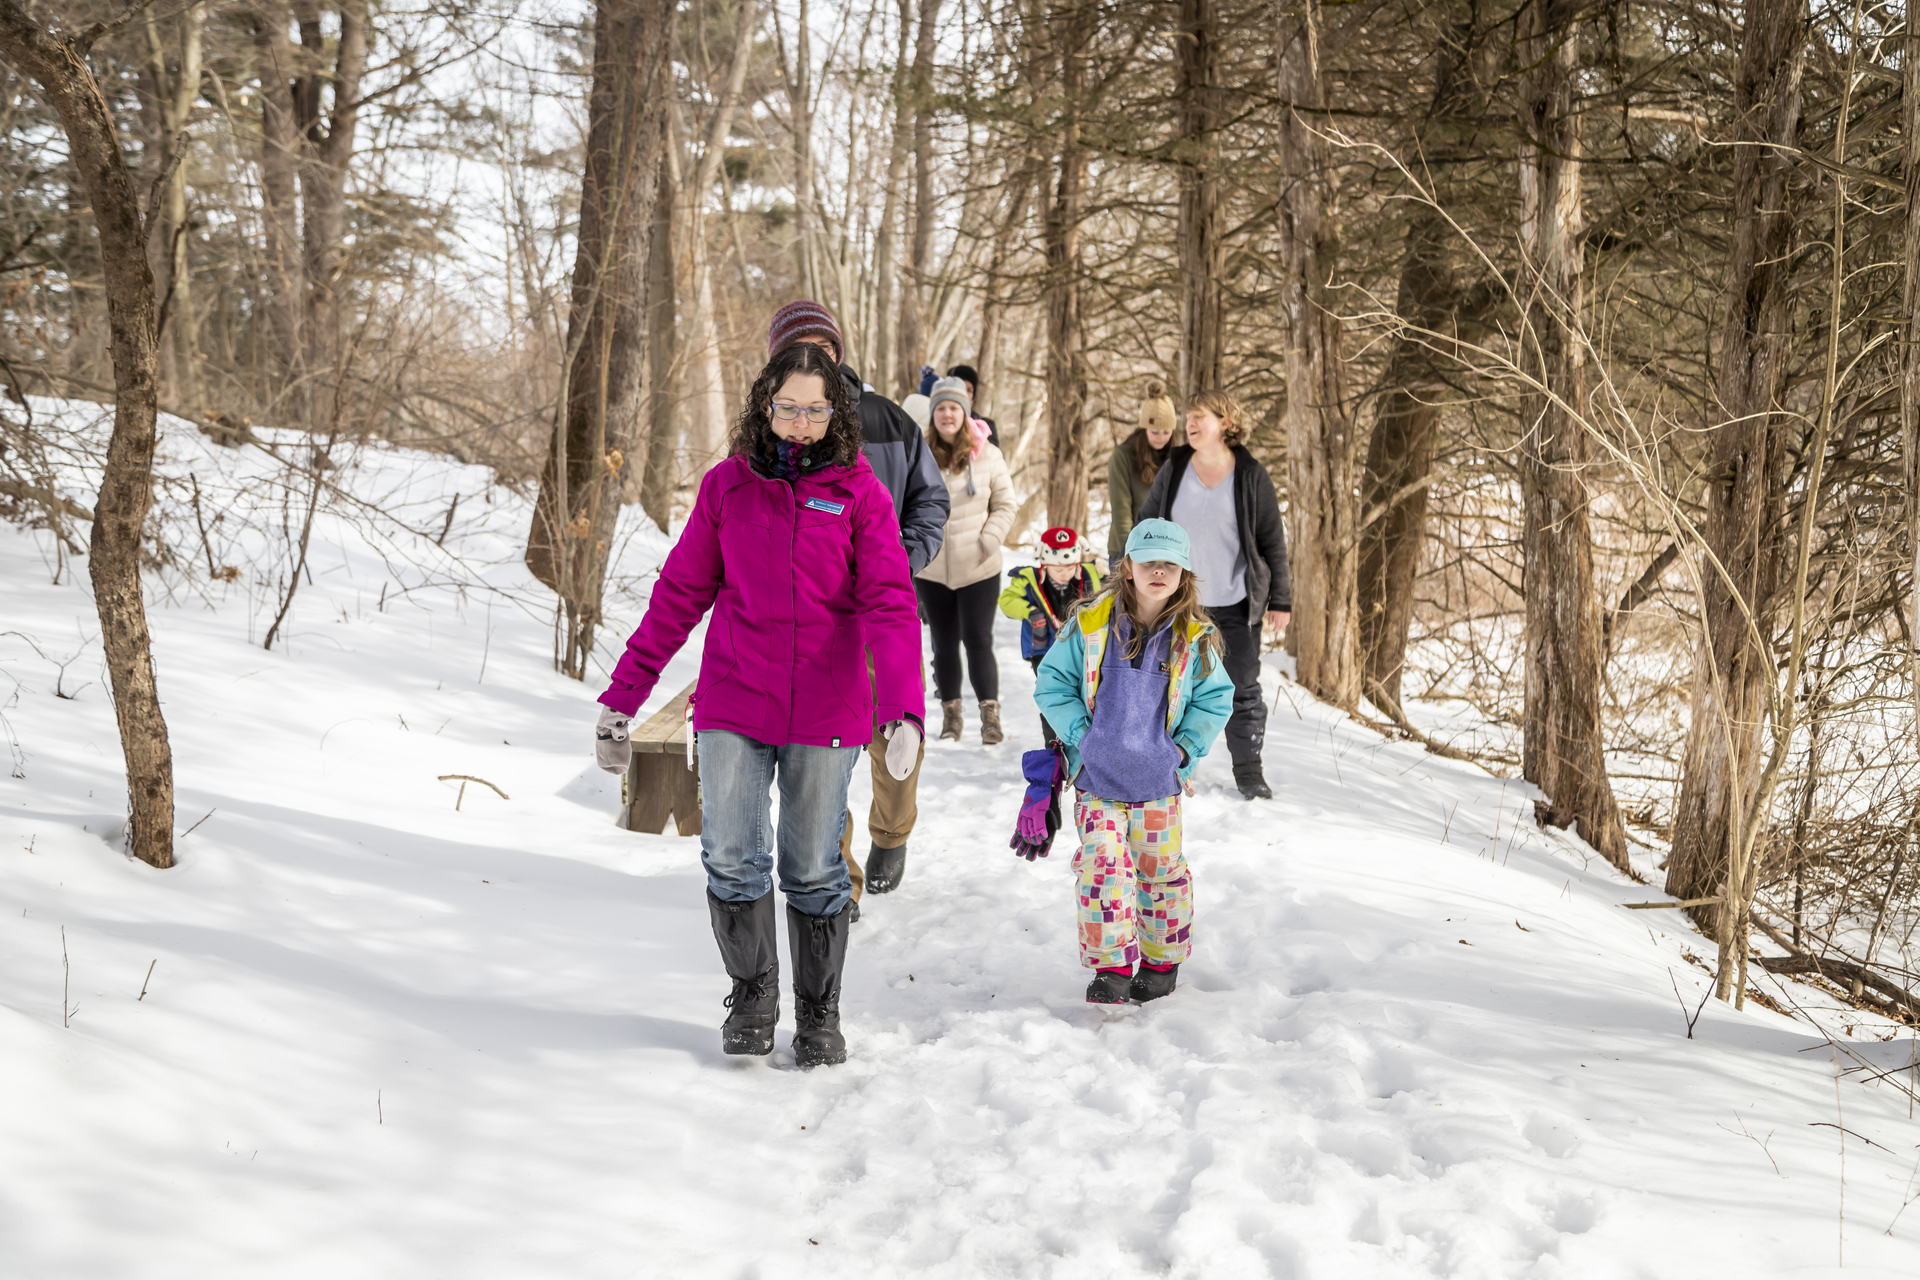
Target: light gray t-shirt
[1219,561]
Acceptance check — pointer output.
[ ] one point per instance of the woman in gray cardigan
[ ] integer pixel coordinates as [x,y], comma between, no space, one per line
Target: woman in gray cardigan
[1225,500]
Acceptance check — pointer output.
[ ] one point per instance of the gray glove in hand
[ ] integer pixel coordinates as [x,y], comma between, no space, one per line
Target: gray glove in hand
[903,748]
[611,750]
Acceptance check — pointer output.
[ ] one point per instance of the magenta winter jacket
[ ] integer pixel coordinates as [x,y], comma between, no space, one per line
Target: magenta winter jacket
[802,578]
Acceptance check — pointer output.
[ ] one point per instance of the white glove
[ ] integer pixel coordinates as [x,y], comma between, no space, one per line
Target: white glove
[611,750]
[903,748]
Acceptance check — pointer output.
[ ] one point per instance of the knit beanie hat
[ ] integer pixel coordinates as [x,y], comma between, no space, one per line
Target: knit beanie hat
[1059,545]
[1156,412]
[950,389]
[918,409]
[802,319]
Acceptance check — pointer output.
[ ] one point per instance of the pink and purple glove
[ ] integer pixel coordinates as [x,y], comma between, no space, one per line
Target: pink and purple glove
[1040,809]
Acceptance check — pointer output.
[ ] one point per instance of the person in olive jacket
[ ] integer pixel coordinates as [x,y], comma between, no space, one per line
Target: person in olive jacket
[1135,464]
[1225,500]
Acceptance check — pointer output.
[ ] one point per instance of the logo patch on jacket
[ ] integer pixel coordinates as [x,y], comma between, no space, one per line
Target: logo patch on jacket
[821,504]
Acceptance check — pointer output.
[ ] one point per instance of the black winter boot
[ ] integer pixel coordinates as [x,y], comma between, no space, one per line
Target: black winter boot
[818,945]
[1252,781]
[1109,986]
[1151,983]
[886,868]
[745,932]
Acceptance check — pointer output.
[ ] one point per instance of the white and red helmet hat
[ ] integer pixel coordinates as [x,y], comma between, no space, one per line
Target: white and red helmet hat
[1059,545]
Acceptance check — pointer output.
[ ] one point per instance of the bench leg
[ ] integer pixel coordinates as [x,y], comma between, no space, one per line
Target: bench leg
[651,791]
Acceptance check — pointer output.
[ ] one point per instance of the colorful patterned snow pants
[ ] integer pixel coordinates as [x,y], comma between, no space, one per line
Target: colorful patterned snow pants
[1136,895]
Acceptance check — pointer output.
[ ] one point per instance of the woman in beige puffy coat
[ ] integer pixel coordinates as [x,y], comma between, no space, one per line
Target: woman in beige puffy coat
[960,589]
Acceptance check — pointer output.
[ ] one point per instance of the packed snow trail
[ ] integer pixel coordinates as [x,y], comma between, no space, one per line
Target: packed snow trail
[384,1038]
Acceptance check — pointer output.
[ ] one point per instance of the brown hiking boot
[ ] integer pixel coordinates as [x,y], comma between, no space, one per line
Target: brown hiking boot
[990,723]
[950,719]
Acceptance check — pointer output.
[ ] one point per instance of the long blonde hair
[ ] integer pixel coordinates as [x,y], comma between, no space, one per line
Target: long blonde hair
[1183,608]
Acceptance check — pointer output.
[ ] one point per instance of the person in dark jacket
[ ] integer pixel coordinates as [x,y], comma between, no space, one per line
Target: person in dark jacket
[898,453]
[1225,500]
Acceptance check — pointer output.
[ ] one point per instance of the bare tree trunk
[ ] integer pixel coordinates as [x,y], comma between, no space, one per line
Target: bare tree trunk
[890,351]
[1562,751]
[1071,23]
[800,117]
[606,328]
[1197,54]
[656,439]
[279,191]
[1746,501]
[174,91]
[326,147]
[707,399]
[59,65]
[914,321]
[1400,451]
[1910,350]
[1323,538]
[993,308]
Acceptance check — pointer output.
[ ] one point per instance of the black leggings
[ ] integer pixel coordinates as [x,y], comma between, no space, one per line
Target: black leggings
[962,617]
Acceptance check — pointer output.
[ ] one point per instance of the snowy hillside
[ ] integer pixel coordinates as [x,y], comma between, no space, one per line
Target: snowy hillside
[382,1037]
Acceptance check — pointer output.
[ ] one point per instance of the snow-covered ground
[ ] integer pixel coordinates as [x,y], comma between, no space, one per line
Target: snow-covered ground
[384,1037]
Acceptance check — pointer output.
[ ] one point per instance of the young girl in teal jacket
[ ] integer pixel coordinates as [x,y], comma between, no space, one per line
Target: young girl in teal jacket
[1136,691]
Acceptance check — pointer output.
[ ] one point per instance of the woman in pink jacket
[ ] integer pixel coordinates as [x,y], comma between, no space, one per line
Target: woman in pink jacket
[793,544]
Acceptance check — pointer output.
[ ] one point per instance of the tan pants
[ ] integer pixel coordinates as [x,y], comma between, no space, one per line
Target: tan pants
[896,807]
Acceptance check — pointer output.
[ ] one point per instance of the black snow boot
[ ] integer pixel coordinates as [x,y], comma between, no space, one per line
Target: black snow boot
[1251,780]
[1151,983]
[745,932]
[886,868]
[1109,986]
[818,945]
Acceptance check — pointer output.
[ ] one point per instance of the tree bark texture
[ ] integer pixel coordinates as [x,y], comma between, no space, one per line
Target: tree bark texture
[654,444]
[1400,451]
[707,427]
[174,87]
[890,360]
[586,466]
[1323,515]
[1746,494]
[59,65]
[1196,51]
[800,114]
[326,147]
[1067,374]
[1910,352]
[279,192]
[1562,750]
[914,321]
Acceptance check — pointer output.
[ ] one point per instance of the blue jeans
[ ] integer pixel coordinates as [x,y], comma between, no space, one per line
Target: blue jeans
[736,838]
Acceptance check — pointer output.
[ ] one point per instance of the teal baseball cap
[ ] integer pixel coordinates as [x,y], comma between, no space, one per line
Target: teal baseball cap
[1159,540]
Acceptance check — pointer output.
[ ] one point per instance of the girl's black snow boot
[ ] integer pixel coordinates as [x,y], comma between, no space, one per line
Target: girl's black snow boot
[1151,983]
[745,932]
[818,945]
[1109,986]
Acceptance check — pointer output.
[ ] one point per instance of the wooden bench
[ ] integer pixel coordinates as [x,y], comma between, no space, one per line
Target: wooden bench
[661,780]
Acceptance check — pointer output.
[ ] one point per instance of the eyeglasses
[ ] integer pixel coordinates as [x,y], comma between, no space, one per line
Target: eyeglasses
[817,413]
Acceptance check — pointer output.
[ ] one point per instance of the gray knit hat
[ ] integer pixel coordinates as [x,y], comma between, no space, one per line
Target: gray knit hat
[950,389]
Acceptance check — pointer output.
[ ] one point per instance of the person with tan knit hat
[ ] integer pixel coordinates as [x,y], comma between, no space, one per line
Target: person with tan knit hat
[1135,462]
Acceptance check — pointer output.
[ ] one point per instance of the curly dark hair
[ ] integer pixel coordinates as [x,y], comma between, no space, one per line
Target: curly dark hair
[753,429]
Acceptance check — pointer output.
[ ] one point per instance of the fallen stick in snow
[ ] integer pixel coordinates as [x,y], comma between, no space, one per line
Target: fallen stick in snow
[464,779]
[1660,906]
